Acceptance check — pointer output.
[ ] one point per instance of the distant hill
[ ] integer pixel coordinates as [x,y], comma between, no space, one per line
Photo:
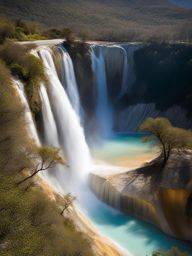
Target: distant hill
[103,19]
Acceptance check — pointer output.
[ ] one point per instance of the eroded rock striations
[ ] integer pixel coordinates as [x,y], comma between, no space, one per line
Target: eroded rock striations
[162,199]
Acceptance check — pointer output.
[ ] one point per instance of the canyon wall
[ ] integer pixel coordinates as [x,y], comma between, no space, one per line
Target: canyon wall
[142,80]
[166,205]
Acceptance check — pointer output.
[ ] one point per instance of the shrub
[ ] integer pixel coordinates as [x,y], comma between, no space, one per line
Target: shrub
[60,33]
[34,68]
[18,71]
[27,67]
[7,29]
[32,37]
[30,224]
[5,76]
[53,33]
[12,53]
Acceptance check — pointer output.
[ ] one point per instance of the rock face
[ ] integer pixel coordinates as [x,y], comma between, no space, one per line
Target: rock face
[143,80]
[130,118]
[164,205]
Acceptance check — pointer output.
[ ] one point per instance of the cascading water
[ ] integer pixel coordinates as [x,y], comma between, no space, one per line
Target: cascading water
[51,139]
[70,133]
[101,63]
[62,129]
[128,66]
[50,129]
[104,112]
[28,116]
[69,80]
[125,76]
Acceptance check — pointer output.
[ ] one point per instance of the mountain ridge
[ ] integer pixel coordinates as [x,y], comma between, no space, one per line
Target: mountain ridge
[102,18]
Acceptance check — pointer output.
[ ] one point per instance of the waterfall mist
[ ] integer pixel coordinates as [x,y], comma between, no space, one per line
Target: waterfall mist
[69,80]
[64,122]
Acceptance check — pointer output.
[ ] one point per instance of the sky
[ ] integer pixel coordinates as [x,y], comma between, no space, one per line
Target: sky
[182,3]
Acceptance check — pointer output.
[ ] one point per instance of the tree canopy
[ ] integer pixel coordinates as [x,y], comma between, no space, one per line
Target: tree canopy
[165,136]
[46,158]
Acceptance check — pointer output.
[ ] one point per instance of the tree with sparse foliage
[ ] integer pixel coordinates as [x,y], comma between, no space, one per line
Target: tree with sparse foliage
[68,201]
[49,157]
[166,136]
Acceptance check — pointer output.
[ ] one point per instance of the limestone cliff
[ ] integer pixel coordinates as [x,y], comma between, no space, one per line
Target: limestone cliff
[161,199]
[142,80]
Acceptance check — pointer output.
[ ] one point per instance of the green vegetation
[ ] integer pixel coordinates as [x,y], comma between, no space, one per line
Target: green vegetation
[173,144]
[27,67]
[167,137]
[19,30]
[13,135]
[115,20]
[59,33]
[7,29]
[172,252]
[69,199]
[30,223]
[21,63]
[47,158]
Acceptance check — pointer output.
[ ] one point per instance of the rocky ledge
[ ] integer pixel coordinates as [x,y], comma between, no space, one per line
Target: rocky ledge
[162,198]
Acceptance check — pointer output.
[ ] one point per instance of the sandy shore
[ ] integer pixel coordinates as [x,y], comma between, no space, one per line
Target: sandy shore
[135,161]
[122,164]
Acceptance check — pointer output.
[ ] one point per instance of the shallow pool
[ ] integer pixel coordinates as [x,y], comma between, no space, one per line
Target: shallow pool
[137,237]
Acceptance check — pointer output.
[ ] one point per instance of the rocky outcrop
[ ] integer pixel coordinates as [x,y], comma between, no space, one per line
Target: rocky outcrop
[163,204]
[142,79]
[130,118]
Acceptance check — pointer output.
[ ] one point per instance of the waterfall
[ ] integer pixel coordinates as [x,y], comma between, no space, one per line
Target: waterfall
[125,77]
[128,67]
[50,129]
[105,66]
[70,133]
[57,173]
[28,116]
[69,80]
[104,113]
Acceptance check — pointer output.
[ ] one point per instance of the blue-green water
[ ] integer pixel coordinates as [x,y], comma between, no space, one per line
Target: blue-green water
[137,237]
[123,146]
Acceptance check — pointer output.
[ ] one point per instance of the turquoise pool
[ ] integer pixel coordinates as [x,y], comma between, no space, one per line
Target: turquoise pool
[137,237]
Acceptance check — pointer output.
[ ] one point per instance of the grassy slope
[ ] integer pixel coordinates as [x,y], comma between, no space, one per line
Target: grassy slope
[97,17]
[30,223]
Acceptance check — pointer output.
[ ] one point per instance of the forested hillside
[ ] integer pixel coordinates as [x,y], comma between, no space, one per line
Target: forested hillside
[102,20]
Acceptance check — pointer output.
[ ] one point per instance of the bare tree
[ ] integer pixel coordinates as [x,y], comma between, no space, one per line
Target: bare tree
[49,157]
[68,200]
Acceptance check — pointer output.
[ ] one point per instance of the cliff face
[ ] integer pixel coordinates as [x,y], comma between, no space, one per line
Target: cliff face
[164,203]
[143,80]
[130,118]
[162,87]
